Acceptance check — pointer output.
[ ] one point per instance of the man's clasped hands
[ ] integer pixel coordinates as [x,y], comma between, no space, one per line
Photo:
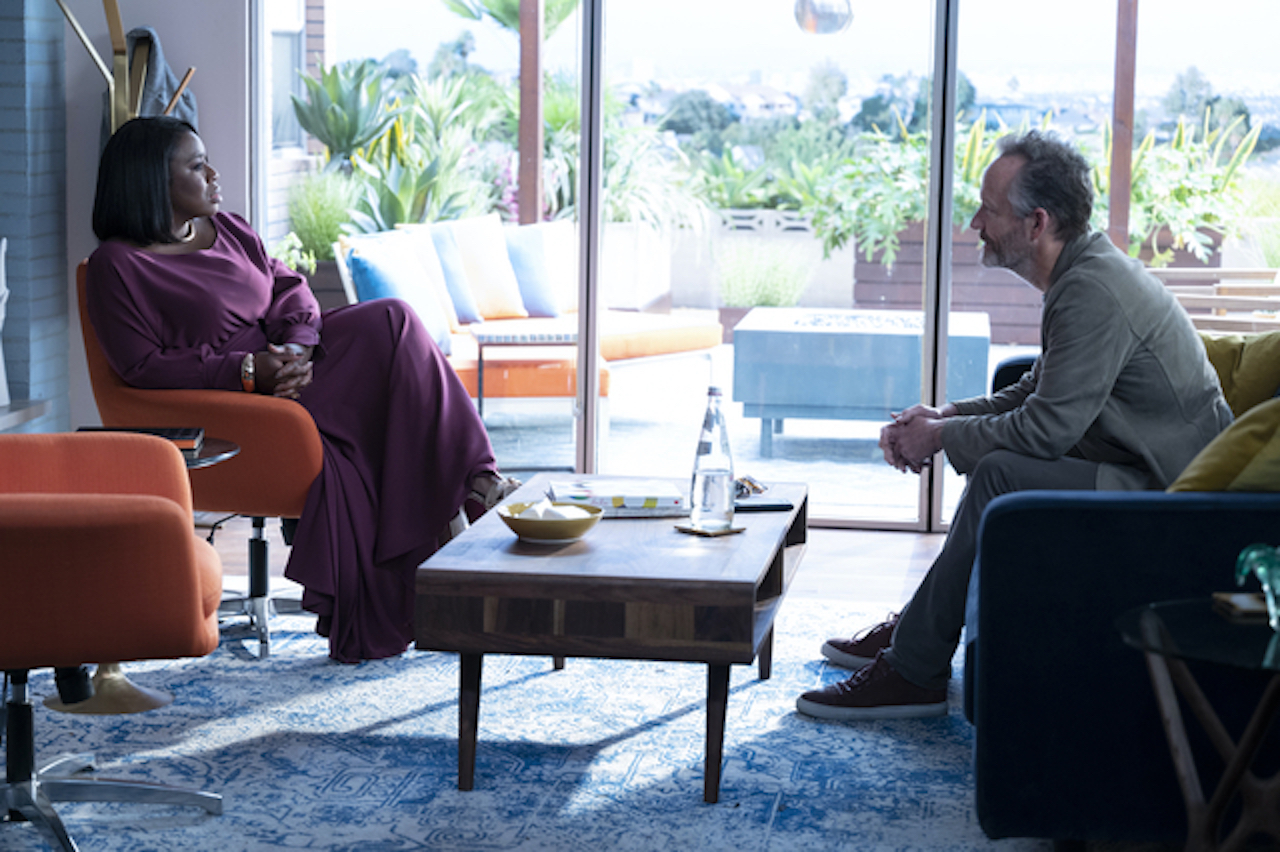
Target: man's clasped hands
[914,437]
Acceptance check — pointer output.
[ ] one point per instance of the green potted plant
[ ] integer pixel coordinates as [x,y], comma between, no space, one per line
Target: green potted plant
[1185,194]
[1262,217]
[872,196]
[426,165]
[647,194]
[319,205]
[290,252]
[751,272]
[346,109]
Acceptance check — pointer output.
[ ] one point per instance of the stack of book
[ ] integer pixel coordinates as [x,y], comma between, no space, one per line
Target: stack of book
[1240,606]
[189,439]
[624,497]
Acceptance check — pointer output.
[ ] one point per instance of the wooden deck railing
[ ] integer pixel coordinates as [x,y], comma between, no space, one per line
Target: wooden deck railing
[1237,300]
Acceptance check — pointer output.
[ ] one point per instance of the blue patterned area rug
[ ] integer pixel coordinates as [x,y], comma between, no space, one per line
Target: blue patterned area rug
[310,754]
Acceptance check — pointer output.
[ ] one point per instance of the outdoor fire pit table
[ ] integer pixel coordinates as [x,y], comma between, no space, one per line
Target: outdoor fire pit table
[832,364]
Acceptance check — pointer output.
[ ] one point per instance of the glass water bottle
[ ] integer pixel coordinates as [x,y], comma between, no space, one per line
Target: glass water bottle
[711,495]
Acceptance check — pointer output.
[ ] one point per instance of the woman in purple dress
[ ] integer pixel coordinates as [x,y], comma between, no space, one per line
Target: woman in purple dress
[184,296]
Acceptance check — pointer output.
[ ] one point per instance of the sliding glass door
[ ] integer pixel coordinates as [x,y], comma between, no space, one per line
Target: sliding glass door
[784,192]
[767,172]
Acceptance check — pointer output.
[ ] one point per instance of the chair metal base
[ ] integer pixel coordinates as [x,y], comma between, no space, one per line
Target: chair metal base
[34,799]
[29,794]
[259,612]
[257,604]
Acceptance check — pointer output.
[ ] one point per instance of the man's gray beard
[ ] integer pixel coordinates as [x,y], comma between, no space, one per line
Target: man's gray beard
[993,259]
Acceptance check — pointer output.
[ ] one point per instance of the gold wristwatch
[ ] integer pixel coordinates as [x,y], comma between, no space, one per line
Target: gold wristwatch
[246,373]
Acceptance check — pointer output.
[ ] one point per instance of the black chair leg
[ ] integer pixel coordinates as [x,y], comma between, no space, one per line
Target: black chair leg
[28,795]
[19,733]
[257,603]
[74,684]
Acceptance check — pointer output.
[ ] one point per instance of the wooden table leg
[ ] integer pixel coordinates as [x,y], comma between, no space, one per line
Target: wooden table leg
[1204,819]
[1259,813]
[468,718]
[717,705]
[764,660]
[557,627]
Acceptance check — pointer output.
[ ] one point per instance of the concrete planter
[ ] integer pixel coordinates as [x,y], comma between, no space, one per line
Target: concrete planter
[829,364]
[694,273]
[729,318]
[635,265]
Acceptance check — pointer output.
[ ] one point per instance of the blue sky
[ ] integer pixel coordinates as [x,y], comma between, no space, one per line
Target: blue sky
[1232,41]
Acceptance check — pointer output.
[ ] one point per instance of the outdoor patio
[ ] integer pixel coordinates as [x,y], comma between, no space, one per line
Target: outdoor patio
[654,413]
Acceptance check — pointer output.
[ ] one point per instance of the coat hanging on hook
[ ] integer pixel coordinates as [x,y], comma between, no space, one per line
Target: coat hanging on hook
[154,83]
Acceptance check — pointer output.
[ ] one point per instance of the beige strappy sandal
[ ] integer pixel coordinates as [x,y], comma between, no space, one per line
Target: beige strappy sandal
[497,489]
[490,489]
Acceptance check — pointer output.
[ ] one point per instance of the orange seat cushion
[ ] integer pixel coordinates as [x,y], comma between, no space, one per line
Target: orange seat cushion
[520,371]
[105,578]
[531,370]
[629,334]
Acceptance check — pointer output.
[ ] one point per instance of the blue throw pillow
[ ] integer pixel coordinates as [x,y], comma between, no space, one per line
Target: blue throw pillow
[455,274]
[529,260]
[393,272]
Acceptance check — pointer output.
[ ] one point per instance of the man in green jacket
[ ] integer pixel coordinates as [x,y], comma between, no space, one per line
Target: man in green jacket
[1122,396]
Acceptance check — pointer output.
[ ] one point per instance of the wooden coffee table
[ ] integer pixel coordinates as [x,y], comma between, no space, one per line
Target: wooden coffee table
[632,588]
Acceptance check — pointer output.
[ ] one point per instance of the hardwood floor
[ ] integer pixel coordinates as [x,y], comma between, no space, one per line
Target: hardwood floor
[873,570]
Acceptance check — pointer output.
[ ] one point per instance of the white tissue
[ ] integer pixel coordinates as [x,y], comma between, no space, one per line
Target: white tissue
[566,512]
[543,510]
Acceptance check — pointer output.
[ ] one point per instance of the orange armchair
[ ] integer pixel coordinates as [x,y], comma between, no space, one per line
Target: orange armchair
[280,451]
[100,564]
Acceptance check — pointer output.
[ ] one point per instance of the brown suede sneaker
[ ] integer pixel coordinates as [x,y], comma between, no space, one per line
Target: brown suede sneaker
[874,692]
[861,650]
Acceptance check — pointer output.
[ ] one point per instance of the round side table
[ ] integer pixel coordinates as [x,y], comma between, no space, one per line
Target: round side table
[1171,632]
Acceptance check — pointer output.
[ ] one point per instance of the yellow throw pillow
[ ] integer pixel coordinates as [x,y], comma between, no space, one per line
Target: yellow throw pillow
[484,254]
[1248,366]
[1245,457]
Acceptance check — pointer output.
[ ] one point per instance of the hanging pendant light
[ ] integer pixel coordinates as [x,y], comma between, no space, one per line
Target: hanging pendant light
[823,17]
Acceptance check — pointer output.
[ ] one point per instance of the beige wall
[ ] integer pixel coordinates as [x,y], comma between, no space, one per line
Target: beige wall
[212,37]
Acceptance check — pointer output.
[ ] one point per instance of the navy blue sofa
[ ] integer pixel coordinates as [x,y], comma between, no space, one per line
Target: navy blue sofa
[1068,740]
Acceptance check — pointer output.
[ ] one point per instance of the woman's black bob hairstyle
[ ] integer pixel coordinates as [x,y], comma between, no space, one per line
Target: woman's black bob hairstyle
[132,201]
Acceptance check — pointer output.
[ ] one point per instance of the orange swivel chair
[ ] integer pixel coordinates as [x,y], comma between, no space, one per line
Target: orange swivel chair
[280,452]
[99,562]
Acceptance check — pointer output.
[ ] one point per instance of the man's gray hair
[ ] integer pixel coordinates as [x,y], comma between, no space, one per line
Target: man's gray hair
[1055,176]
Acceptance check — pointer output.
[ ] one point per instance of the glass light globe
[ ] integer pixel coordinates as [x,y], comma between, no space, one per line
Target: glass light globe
[823,17]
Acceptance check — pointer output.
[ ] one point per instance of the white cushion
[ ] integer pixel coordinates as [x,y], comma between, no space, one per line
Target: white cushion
[390,267]
[484,254]
[560,248]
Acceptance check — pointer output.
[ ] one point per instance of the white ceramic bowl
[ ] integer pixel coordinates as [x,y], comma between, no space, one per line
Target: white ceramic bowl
[548,530]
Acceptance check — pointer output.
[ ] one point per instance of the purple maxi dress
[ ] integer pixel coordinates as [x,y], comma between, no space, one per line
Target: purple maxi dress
[401,437]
